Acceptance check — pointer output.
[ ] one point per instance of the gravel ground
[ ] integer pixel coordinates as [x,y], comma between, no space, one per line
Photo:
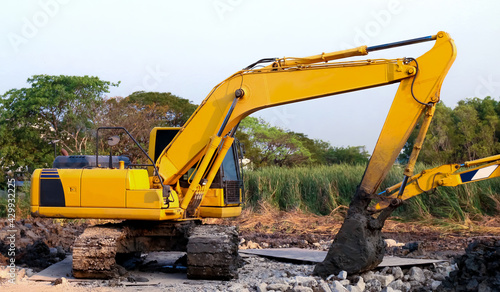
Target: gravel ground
[260,274]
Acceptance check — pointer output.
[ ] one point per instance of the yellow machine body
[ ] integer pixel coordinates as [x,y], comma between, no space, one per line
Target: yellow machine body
[194,171]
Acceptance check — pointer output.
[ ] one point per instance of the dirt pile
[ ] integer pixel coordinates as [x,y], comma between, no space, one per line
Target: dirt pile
[478,268]
[37,242]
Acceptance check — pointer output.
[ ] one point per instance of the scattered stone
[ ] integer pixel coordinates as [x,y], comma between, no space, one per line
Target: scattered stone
[368,276]
[302,289]
[397,285]
[262,287]
[478,269]
[352,288]
[397,272]
[305,281]
[322,287]
[338,287]
[412,246]
[374,285]
[277,287]
[345,282]
[342,275]
[360,283]
[435,285]
[416,274]
[392,243]
[384,279]
[60,281]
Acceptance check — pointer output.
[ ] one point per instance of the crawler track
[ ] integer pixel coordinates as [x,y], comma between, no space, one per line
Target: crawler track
[94,252]
[212,251]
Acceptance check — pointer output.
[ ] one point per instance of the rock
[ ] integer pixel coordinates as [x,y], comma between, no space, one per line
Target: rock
[439,276]
[412,246]
[374,285]
[253,245]
[472,285]
[322,287]
[384,279]
[60,281]
[389,289]
[397,272]
[262,287]
[416,274]
[302,289]
[278,287]
[360,283]
[415,284]
[368,276]
[21,273]
[345,282]
[342,275]
[305,281]
[4,273]
[435,285]
[392,243]
[53,251]
[337,287]
[29,272]
[386,270]
[236,287]
[428,274]
[352,288]
[397,285]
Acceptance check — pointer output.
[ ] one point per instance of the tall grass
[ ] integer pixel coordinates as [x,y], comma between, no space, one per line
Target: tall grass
[321,189]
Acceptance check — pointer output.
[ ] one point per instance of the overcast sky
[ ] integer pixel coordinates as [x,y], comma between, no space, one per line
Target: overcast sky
[187,47]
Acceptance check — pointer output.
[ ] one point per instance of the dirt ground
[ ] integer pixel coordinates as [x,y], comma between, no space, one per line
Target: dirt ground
[298,229]
[42,242]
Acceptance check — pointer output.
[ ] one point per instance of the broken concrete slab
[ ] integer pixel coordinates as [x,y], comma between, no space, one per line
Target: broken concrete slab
[316,256]
[63,269]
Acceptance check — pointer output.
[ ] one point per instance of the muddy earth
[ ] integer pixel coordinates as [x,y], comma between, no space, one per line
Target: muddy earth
[42,242]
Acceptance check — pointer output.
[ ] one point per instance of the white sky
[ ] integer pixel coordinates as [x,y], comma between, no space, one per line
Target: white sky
[187,47]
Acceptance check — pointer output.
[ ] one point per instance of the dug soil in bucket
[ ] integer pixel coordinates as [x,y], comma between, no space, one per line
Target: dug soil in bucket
[359,245]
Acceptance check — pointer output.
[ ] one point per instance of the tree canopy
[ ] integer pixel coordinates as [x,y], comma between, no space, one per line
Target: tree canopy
[267,145]
[69,109]
[469,131]
[55,108]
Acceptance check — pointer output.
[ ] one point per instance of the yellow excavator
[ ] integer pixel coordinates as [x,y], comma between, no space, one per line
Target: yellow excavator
[194,170]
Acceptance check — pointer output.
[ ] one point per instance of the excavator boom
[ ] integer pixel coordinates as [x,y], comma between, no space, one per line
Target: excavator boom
[447,175]
[291,80]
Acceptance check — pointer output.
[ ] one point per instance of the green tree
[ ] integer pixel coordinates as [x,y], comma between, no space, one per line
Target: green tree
[179,109]
[266,145]
[139,113]
[52,108]
[349,155]
[469,131]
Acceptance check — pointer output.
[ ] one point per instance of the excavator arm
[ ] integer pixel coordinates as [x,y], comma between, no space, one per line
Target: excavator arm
[448,175]
[289,80]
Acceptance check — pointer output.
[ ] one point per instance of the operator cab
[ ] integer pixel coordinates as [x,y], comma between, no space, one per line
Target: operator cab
[229,178]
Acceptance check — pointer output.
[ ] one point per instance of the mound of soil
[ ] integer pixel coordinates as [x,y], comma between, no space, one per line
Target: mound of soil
[38,242]
[478,268]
